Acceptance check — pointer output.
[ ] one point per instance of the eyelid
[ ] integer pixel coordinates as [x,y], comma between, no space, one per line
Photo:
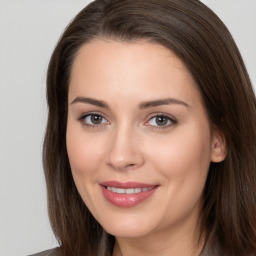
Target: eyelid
[82,117]
[172,119]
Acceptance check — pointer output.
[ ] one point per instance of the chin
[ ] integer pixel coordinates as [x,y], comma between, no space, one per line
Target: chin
[128,228]
[127,233]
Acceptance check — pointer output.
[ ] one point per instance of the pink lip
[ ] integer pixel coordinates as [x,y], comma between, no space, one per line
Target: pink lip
[126,200]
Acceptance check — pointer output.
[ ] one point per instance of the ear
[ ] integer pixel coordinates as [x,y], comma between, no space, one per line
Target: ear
[219,146]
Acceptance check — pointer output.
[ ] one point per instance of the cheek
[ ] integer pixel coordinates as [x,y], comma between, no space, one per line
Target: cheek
[183,161]
[84,152]
[85,155]
[184,157]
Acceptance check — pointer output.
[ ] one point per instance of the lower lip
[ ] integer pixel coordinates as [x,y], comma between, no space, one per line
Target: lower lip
[126,200]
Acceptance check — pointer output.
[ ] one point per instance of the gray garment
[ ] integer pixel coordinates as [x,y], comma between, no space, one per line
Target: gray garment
[213,250]
[51,252]
[207,252]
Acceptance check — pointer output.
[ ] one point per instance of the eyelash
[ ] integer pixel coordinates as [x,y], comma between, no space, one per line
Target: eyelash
[84,116]
[160,115]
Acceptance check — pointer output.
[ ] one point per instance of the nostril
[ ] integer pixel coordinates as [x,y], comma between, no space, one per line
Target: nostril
[131,166]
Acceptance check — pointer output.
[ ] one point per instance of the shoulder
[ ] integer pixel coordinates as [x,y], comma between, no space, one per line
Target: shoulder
[51,252]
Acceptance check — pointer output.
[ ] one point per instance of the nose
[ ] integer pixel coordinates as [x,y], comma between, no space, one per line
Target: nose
[124,151]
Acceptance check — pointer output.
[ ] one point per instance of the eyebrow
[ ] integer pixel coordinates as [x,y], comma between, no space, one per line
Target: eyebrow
[168,101]
[143,105]
[91,101]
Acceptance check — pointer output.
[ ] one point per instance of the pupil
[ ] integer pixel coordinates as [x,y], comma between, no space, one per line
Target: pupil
[96,119]
[160,120]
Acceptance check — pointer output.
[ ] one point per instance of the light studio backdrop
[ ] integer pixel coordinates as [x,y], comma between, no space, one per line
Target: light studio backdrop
[29,30]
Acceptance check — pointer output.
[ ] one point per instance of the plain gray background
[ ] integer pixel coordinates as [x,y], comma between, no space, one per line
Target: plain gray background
[29,30]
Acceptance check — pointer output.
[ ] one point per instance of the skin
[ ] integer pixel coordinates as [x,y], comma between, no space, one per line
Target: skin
[129,145]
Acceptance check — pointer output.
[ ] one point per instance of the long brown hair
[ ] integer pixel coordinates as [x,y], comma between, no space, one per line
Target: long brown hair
[200,39]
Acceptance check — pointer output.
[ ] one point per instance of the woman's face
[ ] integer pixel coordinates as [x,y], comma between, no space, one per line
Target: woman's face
[138,138]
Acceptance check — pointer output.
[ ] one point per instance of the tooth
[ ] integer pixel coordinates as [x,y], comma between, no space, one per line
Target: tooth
[129,191]
[120,190]
[137,190]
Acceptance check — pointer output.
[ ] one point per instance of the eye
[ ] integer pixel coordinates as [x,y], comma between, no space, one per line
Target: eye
[93,120]
[161,121]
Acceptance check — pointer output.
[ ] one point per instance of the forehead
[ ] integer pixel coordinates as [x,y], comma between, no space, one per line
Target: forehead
[129,68]
[100,51]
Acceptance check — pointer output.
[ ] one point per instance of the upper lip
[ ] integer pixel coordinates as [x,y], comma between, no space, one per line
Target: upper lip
[130,184]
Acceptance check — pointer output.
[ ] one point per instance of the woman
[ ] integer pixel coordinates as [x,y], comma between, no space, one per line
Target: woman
[150,146]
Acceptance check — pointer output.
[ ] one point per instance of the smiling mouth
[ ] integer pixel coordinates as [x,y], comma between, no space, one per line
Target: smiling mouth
[127,194]
[128,190]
